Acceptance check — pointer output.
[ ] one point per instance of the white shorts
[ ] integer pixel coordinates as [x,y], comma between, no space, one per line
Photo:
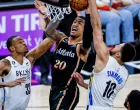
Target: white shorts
[99,108]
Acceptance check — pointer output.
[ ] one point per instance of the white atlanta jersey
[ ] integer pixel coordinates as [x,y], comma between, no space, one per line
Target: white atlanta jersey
[19,96]
[105,85]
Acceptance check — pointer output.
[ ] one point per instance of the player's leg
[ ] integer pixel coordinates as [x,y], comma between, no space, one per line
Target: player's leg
[66,99]
[54,98]
[60,3]
[71,99]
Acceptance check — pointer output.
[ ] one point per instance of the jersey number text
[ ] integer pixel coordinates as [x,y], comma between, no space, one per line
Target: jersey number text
[60,64]
[28,89]
[109,89]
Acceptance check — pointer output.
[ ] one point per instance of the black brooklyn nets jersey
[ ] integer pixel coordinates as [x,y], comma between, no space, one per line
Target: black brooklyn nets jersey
[64,63]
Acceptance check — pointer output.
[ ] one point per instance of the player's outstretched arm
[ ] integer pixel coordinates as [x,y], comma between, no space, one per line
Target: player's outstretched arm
[87,34]
[87,37]
[37,52]
[99,45]
[50,29]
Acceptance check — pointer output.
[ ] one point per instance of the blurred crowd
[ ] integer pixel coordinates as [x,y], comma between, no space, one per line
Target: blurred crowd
[120,18]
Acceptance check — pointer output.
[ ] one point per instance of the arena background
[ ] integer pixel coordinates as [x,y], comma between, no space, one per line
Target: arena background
[21,18]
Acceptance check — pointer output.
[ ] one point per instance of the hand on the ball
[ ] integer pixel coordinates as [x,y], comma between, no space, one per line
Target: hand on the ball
[40,6]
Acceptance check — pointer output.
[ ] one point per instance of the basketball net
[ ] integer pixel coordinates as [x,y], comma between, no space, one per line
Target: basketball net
[56,13]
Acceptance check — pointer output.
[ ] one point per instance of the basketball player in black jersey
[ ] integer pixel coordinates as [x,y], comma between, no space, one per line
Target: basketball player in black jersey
[69,57]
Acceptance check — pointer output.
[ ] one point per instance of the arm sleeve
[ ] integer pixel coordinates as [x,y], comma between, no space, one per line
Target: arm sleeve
[87,35]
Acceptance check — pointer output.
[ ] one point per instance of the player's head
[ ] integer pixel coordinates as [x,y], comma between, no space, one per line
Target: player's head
[125,52]
[16,44]
[132,102]
[77,27]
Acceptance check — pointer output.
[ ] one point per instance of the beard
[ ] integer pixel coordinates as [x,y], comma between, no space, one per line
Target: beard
[112,53]
[26,52]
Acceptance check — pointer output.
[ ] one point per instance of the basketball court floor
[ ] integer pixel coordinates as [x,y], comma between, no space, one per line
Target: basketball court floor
[40,95]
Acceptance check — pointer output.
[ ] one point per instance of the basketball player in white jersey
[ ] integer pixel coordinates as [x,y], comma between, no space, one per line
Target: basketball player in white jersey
[109,75]
[18,65]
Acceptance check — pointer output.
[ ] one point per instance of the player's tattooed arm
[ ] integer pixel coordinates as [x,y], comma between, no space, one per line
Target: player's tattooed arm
[4,67]
[37,52]
[52,33]
[51,28]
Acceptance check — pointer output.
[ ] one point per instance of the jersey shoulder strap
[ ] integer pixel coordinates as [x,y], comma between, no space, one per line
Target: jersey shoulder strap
[11,60]
[65,39]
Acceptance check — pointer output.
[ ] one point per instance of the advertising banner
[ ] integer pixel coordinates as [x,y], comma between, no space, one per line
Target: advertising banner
[24,22]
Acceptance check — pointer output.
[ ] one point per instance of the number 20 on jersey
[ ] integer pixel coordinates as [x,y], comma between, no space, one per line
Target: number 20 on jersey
[61,65]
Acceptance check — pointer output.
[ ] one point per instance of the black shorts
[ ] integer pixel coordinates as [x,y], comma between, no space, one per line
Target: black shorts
[66,99]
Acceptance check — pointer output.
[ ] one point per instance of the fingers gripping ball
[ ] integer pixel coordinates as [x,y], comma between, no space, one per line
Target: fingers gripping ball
[79,5]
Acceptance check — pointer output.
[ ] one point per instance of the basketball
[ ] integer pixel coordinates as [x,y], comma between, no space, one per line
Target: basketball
[79,5]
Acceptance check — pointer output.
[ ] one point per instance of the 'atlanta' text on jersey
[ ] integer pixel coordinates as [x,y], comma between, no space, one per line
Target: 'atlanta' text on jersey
[64,52]
[64,63]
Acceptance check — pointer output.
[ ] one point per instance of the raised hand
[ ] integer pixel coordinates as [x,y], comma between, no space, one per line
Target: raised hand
[41,7]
